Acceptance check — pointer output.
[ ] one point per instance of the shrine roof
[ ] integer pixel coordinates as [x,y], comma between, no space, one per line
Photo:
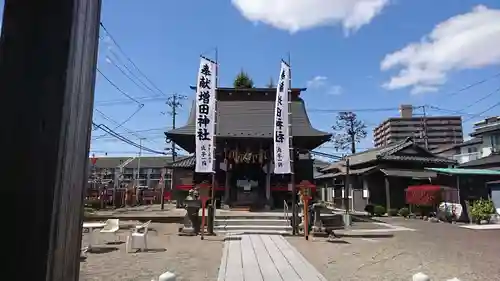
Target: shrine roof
[265,89]
[251,119]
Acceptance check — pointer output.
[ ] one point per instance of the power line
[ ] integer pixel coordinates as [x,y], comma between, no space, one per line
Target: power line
[481,99]
[118,88]
[125,101]
[129,59]
[125,140]
[149,90]
[482,112]
[454,93]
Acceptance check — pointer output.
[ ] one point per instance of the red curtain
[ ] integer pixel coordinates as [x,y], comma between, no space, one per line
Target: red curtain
[425,195]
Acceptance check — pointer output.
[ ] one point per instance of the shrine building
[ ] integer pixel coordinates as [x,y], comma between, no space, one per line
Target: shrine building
[244,149]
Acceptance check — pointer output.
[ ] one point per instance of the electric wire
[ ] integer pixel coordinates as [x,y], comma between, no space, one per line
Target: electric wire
[126,140]
[482,112]
[118,88]
[147,90]
[477,83]
[130,60]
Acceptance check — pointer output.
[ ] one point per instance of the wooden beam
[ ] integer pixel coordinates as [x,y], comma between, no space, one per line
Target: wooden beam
[387,195]
[48,55]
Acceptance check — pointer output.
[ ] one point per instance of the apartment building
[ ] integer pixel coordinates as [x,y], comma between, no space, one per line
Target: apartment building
[430,131]
[485,141]
[126,169]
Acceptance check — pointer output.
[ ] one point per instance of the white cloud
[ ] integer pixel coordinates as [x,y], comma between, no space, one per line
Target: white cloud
[322,83]
[466,41]
[317,82]
[295,15]
[335,90]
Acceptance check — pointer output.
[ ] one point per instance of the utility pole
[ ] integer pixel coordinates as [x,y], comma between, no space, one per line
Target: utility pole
[137,190]
[139,163]
[173,102]
[347,191]
[426,140]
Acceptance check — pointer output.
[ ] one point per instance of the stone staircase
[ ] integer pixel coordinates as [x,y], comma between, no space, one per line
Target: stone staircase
[253,224]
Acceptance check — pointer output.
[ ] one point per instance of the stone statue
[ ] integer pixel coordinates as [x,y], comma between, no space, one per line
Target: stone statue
[192,205]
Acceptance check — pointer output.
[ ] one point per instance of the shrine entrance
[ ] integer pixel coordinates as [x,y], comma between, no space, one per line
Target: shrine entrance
[248,182]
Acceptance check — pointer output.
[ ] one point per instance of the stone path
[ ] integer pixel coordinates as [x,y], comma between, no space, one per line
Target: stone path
[481,226]
[264,258]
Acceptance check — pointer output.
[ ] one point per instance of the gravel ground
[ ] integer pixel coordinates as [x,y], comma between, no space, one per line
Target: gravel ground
[188,257]
[442,251]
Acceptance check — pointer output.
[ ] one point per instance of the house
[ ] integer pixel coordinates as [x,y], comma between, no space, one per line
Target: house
[125,169]
[485,141]
[380,176]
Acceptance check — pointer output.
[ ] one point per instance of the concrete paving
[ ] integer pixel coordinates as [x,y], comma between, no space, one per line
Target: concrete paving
[442,251]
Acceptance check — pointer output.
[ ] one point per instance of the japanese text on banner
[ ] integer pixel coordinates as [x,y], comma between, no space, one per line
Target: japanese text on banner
[205,116]
[281,122]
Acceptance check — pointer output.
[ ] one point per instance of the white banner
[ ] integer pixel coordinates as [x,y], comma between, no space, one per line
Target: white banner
[205,116]
[281,121]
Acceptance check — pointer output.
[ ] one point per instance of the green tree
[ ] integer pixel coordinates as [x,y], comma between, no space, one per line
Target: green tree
[348,131]
[243,81]
[271,84]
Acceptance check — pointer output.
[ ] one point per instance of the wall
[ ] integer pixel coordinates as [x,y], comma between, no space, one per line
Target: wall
[487,147]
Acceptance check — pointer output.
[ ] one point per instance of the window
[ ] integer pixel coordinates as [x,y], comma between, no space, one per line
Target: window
[495,140]
[472,149]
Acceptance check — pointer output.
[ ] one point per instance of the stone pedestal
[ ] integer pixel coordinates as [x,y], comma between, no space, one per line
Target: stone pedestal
[347,220]
[191,225]
[317,228]
[187,229]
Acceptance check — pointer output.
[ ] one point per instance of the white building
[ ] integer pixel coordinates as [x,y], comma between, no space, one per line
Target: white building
[485,141]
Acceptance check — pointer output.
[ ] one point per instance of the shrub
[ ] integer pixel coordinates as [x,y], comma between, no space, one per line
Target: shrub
[392,212]
[370,209]
[404,212]
[482,210]
[379,210]
[93,204]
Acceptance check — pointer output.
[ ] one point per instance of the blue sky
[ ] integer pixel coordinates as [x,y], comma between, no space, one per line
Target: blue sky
[351,54]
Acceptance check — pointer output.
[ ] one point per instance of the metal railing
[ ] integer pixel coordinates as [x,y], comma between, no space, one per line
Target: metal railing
[466,157]
[285,210]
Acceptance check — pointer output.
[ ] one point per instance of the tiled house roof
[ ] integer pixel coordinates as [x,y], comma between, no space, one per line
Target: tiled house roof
[390,152]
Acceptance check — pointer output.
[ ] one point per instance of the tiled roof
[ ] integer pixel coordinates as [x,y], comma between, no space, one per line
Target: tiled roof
[108,162]
[146,161]
[449,147]
[320,164]
[150,162]
[186,162]
[252,119]
[488,129]
[388,153]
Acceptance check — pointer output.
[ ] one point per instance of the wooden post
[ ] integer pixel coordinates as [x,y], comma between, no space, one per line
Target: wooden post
[48,55]
[204,196]
[305,199]
[387,196]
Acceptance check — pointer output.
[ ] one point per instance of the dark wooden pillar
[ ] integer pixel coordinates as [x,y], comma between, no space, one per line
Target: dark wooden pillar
[48,54]
[387,195]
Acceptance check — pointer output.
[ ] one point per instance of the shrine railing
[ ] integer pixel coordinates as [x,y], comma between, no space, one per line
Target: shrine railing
[285,210]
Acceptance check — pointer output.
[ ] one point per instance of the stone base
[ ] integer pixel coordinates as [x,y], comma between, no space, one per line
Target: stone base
[318,231]
[186,231]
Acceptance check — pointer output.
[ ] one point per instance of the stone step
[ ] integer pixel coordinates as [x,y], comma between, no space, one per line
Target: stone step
[250,217]
[255,221]
[255,231]
[238,228]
